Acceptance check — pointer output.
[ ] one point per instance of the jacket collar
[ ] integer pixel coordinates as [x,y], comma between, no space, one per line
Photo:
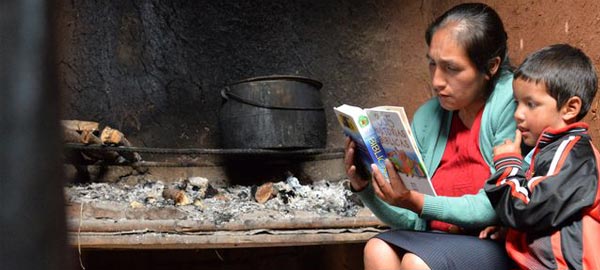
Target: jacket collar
[550,135]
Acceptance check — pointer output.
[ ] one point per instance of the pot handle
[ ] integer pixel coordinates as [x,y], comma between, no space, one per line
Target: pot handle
[226,94]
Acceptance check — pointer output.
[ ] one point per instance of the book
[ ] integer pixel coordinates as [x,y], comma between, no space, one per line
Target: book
[384,132]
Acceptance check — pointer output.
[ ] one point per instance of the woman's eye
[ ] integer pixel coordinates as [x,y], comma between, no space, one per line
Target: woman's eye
[451,68]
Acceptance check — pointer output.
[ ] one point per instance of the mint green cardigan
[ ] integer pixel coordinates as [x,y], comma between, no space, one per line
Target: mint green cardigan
[431,125]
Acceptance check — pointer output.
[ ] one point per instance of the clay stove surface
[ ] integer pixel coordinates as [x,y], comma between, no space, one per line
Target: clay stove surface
[193,213]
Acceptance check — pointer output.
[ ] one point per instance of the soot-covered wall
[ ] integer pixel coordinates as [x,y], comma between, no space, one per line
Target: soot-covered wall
[154,69]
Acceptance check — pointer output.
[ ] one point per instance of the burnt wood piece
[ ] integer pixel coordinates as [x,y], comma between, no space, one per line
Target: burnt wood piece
[87,130]
[177,195]
[264,192]
[87,137]
[79,125]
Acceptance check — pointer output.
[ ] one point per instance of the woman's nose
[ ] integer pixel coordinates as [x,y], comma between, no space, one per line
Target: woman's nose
[437,79]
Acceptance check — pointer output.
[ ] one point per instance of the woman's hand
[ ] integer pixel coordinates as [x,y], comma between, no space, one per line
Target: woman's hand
[395,192]
[357,182]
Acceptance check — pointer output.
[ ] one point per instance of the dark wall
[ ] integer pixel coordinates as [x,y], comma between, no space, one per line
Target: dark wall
[154,69]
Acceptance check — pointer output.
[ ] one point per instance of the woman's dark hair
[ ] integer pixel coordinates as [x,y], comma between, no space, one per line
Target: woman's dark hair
[565,71]
[479,30]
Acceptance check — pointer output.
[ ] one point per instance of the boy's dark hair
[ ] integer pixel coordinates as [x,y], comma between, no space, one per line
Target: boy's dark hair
[480,32]
[566,72]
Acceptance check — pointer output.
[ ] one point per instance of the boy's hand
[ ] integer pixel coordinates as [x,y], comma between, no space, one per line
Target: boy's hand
[357,182]
[509,146]
[395,192]
[493,232]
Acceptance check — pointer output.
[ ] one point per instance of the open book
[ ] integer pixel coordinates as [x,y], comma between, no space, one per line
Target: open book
[384,132]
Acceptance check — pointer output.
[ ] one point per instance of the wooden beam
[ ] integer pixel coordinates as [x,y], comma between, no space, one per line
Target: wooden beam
[114,226]
[216,240]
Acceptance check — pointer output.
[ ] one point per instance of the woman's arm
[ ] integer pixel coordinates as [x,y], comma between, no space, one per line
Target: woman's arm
[395,217]
[468,211]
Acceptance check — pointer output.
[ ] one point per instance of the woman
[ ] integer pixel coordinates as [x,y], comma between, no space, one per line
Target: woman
[456,132]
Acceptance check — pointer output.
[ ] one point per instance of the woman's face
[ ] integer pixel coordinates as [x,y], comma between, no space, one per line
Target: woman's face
[456,81]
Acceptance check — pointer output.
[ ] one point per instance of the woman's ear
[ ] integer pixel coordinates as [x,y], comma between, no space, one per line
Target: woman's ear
[493,66]
[571,109]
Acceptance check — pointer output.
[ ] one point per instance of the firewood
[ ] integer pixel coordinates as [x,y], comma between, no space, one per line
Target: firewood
[89,138]
[71,136]
[79,125]
[112,136]
[264,192]
[115,137]
[83,130]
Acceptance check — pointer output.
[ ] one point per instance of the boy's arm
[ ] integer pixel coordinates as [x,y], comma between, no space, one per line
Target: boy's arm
[544,202]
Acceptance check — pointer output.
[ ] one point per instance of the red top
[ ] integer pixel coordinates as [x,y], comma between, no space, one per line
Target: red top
[462,169]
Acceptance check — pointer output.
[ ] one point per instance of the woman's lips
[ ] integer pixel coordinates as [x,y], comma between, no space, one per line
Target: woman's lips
[443,97]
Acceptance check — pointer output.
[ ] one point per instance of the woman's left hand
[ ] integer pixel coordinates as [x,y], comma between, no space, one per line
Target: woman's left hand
[395,192]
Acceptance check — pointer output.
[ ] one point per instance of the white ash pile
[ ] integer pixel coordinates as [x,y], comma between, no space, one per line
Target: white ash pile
[202,201]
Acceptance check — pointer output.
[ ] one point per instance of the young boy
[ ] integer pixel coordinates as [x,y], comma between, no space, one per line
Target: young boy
[553,209]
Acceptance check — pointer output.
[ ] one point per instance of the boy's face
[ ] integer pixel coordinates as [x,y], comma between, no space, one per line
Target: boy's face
[536,110]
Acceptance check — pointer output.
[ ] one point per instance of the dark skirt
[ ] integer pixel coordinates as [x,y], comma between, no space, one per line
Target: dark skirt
[450,251]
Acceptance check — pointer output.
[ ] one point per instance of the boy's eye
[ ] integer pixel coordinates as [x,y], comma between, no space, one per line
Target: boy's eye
[531,104]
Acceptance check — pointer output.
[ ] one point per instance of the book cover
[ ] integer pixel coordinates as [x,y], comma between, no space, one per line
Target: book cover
[388,130]
[393,129]
[357,126]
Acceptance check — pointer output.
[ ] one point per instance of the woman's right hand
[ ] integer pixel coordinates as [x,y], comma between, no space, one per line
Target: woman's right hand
[358,183]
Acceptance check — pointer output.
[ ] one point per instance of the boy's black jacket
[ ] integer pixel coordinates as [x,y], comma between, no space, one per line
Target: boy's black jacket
[553,209]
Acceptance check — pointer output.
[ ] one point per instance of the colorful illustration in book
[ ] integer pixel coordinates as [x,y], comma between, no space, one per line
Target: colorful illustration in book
[347,122]
[363,121]
[406,162]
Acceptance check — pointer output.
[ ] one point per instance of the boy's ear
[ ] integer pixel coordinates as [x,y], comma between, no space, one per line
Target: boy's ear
[493,66]
[571,109]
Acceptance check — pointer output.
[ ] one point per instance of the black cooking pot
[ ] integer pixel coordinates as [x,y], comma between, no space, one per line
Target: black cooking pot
[273,112]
